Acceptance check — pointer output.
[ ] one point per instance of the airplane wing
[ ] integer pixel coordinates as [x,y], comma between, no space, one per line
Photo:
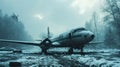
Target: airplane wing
[29,43]
[20,42]
[95,42]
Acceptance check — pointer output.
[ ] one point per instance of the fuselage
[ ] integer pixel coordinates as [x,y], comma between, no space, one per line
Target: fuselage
[75,38]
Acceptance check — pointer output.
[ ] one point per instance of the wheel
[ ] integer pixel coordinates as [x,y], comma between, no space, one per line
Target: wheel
[44,51]
[82,52]
[70,51]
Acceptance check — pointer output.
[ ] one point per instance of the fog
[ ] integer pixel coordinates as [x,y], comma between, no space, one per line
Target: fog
[100,17]
[12,28]
[27,20]
[58,15]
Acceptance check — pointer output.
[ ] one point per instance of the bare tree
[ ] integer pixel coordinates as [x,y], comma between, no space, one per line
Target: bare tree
[112,20]
[92,25]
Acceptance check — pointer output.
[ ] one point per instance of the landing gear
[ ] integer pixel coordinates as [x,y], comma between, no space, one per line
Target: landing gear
[44,49]
[82,52]
[70,51]
[45,45]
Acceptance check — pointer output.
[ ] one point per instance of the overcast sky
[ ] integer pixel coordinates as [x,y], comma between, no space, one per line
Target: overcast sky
[59,15]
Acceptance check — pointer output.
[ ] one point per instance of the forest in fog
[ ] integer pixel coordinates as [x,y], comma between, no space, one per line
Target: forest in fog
[106,24]
[12,29]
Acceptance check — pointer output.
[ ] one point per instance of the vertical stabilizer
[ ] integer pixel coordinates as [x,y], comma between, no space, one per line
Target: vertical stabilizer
[48,32]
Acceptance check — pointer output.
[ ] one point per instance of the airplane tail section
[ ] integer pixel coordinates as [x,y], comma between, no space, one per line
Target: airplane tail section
[47,35]
[48,32]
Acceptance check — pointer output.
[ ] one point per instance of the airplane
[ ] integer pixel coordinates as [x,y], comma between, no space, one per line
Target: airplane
[74,39]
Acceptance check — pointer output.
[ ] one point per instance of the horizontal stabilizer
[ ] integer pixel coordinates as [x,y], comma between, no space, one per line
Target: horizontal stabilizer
[100,42]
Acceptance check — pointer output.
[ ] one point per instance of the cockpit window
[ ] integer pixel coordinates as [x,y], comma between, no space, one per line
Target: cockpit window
[78,29]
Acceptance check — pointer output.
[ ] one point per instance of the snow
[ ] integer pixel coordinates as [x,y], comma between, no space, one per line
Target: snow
[105,58]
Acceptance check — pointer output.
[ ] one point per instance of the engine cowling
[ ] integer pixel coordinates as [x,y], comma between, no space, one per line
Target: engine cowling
[45,44]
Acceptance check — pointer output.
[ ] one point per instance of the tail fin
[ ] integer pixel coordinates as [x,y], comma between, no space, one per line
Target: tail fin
[48,32]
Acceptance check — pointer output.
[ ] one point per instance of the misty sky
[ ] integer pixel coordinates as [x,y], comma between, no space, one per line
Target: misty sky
[59,15]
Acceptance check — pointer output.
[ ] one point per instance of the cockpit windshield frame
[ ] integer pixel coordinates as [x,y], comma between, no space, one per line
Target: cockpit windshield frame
[78,29]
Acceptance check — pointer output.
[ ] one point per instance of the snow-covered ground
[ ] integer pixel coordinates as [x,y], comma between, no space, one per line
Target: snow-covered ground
[93,58]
